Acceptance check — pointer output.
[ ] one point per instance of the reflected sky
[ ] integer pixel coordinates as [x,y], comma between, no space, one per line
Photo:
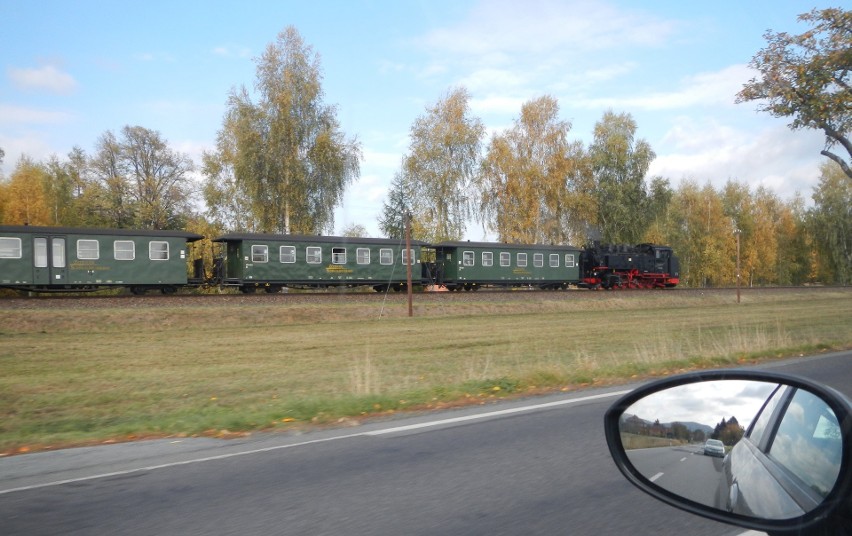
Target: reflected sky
[705,402]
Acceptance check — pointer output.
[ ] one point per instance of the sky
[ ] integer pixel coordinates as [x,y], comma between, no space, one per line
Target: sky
[73,70]
[705,403]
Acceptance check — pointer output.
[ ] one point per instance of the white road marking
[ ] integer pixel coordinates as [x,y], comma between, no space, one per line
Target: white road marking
[683,459]
[655,477]
[492,414]
[478,416]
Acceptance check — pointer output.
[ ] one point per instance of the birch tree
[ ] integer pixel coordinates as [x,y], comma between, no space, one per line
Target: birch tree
[534,182]
[619,164]
[23,196]
[831,219]
[441,165]
[285,148]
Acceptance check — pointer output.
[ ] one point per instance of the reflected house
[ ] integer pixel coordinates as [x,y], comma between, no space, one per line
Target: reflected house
[639,426]
[634,425]
[659,430]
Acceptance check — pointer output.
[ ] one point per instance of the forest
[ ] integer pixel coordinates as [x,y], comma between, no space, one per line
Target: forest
[281,164]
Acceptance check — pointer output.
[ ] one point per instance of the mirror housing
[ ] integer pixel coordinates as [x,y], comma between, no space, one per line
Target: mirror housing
[833,508]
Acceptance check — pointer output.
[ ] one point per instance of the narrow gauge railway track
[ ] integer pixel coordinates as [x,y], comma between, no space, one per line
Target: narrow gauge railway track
[319,297]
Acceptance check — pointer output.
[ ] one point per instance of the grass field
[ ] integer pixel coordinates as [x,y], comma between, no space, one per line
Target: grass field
[71,375]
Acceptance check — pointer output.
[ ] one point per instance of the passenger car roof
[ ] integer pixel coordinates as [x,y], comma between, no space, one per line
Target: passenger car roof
[37,229]
[501,245]
[238,237]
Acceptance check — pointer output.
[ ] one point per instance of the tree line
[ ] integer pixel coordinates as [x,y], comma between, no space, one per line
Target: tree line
[281,164]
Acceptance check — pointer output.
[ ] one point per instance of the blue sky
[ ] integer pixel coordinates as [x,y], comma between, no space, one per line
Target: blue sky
[71,70]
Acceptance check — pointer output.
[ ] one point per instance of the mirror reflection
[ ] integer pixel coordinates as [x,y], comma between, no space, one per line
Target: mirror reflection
[764,450]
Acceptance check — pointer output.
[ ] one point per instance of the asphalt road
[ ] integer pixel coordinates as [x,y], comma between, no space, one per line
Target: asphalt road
[683,470]
[537,466]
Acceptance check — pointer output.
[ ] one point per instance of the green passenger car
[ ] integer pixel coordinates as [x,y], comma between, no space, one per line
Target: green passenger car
[271,262]
[51,259]
[470,265]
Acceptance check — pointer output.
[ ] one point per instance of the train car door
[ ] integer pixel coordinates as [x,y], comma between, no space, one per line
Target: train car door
[50,266]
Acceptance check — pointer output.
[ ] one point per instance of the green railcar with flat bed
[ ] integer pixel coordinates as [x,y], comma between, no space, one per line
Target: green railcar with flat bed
[271,262]
[68,259]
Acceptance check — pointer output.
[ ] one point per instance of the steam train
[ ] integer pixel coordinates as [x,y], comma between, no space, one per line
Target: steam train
[63,259]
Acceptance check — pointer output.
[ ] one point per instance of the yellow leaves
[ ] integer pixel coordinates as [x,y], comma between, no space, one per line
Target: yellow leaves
[24,198]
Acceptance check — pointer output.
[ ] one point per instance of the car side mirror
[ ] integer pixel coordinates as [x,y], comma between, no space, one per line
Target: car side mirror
[764,451]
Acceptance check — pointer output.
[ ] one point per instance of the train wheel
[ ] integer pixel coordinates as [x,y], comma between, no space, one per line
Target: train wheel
[138,291]
[612,282]
[168,290]
[247,289]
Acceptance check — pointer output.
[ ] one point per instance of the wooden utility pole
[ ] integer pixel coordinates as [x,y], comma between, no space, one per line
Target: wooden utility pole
[738,232]
[408,256]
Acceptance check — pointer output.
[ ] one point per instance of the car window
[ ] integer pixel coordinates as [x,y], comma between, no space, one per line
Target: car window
[808,442]
[759,426]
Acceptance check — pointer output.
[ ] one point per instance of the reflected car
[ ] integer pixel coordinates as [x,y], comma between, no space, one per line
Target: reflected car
[714,447]
[789,473]
[787,462]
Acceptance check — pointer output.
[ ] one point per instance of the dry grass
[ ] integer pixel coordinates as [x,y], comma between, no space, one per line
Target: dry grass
[632,441]
[74,375]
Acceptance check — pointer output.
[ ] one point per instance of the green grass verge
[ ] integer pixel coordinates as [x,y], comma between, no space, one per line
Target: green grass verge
[84,375]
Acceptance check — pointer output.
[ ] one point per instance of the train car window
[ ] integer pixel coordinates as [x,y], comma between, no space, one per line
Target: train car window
[40,251]
[10,247]
[124,250]
[538,260]
[338,255]
[362,255]
[313,255]
[487,258]
[468,258]
[158,251]
[259,253]
[386,256]
[554,260]
[58,252]
[88,250]
[287,254]
[505,259]
[570,261]
[405,255]
[522,260]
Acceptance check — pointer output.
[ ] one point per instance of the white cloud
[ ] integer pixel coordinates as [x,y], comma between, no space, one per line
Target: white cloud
[232,51]
[488,79]
[717,88]
[153,56]
[32,145]
[775,157]
[31,116]
[609,72]
[381,162]
[497,27]
[47,78]
[497,105]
